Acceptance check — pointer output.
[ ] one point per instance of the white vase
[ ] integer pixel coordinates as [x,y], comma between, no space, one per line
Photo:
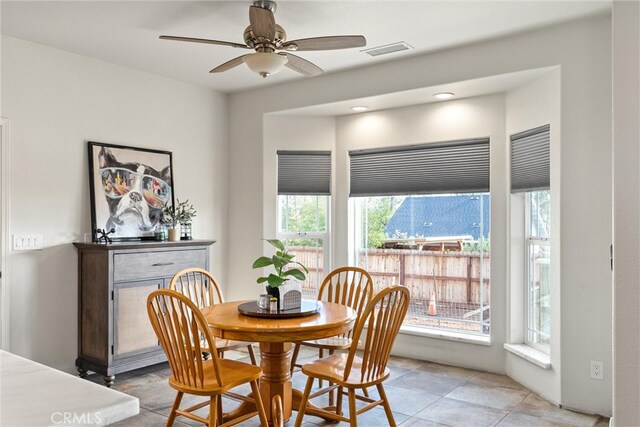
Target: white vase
[174,234]
[290,295]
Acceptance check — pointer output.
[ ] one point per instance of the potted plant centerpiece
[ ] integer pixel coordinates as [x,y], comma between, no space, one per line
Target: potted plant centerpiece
[278,284]
[181,213]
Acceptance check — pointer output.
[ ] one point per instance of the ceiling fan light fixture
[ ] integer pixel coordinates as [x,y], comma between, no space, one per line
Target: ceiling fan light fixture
[265,63]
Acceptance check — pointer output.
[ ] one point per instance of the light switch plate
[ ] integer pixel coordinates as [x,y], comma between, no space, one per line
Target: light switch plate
[27,242]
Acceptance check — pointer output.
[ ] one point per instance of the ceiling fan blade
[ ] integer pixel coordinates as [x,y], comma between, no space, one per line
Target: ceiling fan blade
[301,65]
[205,41]
[325,43]
[262,22]
[229,64]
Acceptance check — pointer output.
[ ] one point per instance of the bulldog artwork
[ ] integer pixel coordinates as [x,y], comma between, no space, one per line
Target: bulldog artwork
[129,188]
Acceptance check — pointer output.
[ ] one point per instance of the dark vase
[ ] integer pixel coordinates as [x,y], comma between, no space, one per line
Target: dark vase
[274,292]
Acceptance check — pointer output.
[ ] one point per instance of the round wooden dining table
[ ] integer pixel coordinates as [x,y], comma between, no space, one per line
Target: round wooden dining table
[275,336]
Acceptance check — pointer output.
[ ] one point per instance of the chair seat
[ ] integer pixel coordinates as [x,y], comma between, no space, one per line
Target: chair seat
[331,343]
[233,374]
[332,368]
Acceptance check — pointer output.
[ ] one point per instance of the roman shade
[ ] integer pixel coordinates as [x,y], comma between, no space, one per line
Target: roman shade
[443,167]
[304,172]
[530,160]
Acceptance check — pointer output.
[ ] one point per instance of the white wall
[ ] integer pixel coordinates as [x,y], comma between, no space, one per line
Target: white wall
[532,105]
[626,192]
[582,49]
[56,101]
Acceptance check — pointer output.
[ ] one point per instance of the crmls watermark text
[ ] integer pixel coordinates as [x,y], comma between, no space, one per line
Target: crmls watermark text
[75,418]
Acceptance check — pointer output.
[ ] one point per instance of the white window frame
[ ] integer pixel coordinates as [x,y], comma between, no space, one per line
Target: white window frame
[531,241]
[325,236]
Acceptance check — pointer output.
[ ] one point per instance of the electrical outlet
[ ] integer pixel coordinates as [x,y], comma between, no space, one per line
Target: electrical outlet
[596,370]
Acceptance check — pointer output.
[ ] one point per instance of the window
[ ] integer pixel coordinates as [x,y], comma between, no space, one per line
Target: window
[303,227]
[436,245]
[304,188]
[530,234]
[538,296]
[421,219]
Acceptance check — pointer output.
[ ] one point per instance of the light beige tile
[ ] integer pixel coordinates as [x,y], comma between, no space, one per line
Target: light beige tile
[495,397]
[446,370]
[457,413]
[537,406]
[496,380]
[419,422]
[429,382]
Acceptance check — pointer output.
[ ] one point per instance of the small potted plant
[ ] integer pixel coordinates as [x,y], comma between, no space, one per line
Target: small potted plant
[278,283]
[172,216]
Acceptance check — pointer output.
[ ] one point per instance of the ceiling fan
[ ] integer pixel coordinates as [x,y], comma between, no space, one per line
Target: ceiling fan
[272,50]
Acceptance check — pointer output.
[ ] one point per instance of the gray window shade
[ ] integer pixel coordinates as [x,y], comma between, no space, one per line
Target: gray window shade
[446,167]
[530,160]
[304,172]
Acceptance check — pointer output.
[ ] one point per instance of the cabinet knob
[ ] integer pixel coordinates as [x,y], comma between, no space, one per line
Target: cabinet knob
[159,264]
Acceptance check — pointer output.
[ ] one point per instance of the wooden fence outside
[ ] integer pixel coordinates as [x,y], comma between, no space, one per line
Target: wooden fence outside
[453,278]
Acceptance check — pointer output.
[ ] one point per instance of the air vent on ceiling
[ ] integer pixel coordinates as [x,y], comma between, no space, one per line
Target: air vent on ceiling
[389,48]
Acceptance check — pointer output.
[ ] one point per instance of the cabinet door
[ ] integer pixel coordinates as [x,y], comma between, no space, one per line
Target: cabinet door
[132,329]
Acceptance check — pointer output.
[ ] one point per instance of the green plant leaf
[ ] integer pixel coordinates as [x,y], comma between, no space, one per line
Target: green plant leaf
[279,262]
[275,281]
[300,264]
[262,279]
[276,243]
[295,273]
[263,261]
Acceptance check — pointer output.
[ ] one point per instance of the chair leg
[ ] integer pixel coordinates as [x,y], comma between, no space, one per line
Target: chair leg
[259,405]
[294,356]
[331,393]
[385,403]
[320,356]
[252,356]
[303,402]
[339,402]
[365,392]
[353,418]
[213,411]
[219,409]
[174,408]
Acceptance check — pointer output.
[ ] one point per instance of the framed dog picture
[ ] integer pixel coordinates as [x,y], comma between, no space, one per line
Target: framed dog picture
[129,187]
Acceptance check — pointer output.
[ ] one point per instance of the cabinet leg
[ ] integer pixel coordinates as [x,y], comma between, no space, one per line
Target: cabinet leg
[82,373]
[109,380]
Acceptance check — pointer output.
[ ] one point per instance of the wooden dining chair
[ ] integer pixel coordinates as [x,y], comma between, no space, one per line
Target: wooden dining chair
[180,326]
[377,329]
[200,287]
[351,286]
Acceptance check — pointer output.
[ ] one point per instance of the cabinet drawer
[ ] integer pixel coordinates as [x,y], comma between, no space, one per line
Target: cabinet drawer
[147,265]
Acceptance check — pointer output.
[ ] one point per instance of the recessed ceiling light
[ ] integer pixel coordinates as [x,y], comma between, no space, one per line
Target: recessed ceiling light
[359,108]
[444,95]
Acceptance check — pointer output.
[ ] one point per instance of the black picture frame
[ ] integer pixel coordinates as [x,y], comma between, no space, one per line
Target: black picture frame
[128,187]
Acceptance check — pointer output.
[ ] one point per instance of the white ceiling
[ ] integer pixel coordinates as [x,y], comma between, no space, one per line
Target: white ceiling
[126,32]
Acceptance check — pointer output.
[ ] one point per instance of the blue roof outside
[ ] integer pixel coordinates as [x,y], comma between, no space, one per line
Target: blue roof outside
[440,216]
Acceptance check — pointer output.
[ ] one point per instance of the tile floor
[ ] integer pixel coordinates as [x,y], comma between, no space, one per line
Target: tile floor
[421,394]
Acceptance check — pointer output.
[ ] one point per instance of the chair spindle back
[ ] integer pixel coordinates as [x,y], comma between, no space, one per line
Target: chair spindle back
[382,317]
[350,286]
[198,285]
[180,326]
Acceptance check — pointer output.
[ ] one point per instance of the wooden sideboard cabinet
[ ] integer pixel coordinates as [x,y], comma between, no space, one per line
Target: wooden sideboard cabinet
[114,280]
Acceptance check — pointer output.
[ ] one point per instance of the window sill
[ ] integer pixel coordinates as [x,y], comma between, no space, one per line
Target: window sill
[446,335]
[530,354]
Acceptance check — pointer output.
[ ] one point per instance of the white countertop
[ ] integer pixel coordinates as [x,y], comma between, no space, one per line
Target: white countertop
[32,394]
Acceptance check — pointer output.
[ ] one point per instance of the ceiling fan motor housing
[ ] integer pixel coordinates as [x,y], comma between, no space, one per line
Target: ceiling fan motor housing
[251,40]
